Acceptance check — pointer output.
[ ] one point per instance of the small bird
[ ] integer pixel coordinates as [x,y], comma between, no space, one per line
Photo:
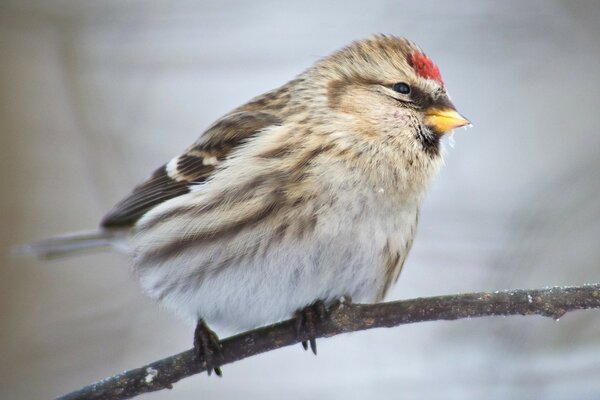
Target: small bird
[304,195]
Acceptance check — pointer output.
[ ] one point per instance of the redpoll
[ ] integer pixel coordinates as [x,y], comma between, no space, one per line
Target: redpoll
[305,194]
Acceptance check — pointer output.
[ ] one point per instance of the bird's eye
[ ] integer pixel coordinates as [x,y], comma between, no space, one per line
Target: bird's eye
[401,87]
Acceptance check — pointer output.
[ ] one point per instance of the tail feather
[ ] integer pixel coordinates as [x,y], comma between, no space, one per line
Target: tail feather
[73,243]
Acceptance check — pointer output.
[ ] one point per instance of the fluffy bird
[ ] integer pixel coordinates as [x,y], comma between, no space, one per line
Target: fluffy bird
[304,195]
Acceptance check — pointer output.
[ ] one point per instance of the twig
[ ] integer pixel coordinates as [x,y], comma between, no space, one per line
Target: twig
[550,302]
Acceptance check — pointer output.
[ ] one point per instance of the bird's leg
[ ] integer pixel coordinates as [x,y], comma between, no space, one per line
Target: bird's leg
[207,347]
[306,319]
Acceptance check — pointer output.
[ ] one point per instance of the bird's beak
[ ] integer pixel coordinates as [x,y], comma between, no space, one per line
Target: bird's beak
[442,120]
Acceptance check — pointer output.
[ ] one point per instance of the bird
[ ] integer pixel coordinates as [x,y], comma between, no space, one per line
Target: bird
[304,195]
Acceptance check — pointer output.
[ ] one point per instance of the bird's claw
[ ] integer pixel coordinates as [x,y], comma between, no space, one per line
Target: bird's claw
[208,348]
[306,320]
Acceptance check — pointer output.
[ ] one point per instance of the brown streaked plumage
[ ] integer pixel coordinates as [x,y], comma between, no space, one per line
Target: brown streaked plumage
[192,167]
[308,192]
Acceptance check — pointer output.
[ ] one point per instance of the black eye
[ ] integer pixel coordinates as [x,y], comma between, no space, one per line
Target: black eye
[401,87]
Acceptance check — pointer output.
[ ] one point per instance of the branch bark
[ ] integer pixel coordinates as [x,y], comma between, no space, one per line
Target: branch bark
[550,302]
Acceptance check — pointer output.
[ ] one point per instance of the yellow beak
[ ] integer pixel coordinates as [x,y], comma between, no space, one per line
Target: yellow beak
[444,120]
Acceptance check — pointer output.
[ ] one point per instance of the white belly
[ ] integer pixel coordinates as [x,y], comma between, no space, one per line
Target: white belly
[239,289]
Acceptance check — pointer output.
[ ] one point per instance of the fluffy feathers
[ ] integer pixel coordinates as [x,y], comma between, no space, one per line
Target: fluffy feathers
[310,191]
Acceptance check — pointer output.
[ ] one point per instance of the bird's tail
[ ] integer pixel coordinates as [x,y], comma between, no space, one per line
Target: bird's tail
[73,243]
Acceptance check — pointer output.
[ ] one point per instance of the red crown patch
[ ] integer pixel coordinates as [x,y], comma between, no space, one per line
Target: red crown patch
[424,67]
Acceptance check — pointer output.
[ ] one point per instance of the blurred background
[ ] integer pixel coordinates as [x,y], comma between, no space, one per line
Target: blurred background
[95,95]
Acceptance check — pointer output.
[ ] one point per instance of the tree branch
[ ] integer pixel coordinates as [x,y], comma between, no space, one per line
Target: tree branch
[550,302]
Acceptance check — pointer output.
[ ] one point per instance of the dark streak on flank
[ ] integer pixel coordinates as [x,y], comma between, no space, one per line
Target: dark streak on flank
[392,259]
[390,262]
[277,152]
[237,193]
[172,249]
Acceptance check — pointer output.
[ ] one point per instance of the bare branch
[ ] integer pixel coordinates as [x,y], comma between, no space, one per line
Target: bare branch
[550,302]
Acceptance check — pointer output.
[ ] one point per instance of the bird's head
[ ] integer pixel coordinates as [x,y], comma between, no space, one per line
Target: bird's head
[391,88]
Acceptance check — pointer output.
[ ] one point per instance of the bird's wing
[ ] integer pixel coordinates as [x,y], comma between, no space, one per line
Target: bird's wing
[194,166]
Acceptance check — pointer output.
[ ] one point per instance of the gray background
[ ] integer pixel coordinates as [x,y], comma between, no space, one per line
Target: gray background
[95,95]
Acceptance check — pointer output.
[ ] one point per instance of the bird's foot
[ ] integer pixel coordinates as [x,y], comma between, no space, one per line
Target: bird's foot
[208,348]
[306,320]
